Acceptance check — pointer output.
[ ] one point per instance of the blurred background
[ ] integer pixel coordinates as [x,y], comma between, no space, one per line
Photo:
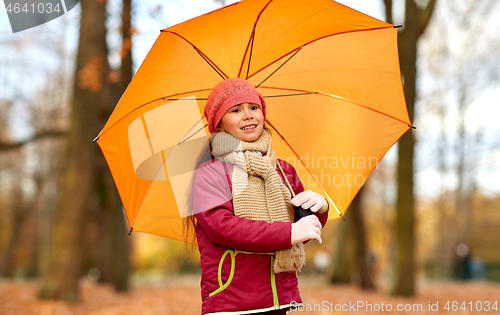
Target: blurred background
[426,223]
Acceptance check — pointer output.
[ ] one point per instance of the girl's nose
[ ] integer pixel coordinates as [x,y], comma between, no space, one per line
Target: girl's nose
[247,114]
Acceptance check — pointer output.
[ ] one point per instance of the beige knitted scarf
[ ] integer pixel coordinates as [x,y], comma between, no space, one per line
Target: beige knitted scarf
[258,192]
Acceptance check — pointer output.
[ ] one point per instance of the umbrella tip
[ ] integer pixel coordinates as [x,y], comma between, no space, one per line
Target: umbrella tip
[398,26]
[130,232]
[96,138]
[413,127]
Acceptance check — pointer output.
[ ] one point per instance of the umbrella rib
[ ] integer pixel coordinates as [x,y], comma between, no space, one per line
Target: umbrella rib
[296,94]
[337,97]
[195,132]
[280,66]
[181,142]
[210,62]
[186,99]
[289,146]
[251,40]
[312,41]
[202,56]
[163,166]
[165,98]
[251,50]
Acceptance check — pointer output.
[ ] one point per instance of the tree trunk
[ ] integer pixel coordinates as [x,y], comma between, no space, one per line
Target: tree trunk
[113,252]
[388,11]
[416,20]
[405,220]
[12,240]
[114,255]
[126,71]
[405,217]
[22,211]
[121,248]
[65,266]
[361,246]
[351,263]
[343,260]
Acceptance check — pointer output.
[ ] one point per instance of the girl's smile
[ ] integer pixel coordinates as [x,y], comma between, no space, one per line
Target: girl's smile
[244,121]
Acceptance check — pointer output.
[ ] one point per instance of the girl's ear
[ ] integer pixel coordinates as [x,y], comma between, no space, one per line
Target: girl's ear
[266,128]
[219,128]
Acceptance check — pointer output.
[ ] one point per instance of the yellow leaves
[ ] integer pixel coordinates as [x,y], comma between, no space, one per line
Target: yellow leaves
[127,42]
[180,295]
[90,76]
[126,46]
[113,76]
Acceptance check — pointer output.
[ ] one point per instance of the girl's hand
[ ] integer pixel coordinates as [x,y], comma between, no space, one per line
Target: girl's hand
[305,229]
[310,200]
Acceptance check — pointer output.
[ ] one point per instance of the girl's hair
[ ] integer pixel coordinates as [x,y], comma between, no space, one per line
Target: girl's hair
[189,222]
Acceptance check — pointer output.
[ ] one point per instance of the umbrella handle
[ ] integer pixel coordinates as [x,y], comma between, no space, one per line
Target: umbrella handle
[299,211]
[286,179]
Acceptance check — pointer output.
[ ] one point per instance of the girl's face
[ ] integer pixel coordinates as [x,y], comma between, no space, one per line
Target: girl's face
[244,121]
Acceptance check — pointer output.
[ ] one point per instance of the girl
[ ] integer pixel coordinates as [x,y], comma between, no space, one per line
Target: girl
[250,246]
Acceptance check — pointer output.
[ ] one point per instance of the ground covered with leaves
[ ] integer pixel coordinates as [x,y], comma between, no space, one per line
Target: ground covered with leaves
[180,295]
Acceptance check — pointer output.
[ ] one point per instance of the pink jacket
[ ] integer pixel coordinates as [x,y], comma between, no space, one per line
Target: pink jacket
[240,283]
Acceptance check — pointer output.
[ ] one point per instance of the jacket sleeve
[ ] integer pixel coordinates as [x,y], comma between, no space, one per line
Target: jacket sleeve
[297,186]
[323,216]
[213,209]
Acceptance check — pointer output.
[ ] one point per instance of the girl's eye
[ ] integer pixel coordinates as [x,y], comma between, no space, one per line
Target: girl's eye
[255,107]
[235,110]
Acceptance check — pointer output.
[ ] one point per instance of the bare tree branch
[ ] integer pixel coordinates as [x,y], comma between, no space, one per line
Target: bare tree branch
[221,2]
[425,15]
[388,11]
[6,146]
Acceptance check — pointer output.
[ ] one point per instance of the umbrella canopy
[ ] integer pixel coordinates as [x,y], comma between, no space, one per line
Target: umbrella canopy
[330,76]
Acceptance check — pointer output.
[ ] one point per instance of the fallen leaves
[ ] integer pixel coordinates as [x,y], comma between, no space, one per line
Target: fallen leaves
[180,295]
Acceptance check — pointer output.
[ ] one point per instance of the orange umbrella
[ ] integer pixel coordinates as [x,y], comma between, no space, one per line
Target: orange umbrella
[332,83]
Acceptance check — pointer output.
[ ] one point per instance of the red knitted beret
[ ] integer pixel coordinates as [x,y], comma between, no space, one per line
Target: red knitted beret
[228,93]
